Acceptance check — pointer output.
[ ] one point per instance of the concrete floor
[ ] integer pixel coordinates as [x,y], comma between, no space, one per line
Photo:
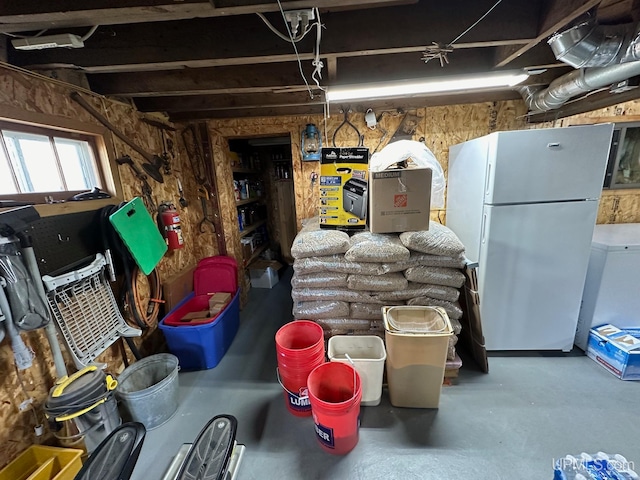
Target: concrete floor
[509,424]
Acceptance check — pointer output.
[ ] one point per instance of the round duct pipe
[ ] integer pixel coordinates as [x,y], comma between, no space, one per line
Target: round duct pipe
[586,45]
[576,83]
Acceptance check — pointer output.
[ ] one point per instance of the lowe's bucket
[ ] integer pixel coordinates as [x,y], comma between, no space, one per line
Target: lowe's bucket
[300,349]
[148,390]
[335,392]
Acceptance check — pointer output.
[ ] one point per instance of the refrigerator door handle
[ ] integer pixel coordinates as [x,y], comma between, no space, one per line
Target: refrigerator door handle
[484,226]
[553,144]
[488,178]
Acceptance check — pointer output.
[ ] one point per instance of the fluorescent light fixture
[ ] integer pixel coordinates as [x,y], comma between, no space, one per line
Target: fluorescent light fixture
[63,40]
[409,88]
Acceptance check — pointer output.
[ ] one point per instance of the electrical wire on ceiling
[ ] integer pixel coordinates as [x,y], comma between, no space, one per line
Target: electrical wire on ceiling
[440,50]
[83,38]
[86,37]
[15,35]
[295,38]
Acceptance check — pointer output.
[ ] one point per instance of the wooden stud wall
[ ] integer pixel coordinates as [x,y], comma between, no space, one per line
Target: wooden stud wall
[34,96]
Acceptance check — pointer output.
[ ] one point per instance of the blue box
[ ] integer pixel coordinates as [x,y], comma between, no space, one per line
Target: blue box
[616,350]
[200,347]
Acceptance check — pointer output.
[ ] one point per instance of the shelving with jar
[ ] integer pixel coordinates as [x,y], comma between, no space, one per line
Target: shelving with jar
[249,192]
[265,201]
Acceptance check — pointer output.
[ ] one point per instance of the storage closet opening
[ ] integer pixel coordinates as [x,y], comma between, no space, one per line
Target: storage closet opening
[264,194]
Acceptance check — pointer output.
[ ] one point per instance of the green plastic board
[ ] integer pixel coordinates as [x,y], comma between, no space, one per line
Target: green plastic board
[140,234]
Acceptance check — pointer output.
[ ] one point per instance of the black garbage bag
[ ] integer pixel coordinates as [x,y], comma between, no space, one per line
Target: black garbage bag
[28,308]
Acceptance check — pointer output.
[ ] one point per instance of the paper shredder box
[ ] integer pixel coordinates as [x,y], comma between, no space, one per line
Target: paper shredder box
[399,200]
[343,187]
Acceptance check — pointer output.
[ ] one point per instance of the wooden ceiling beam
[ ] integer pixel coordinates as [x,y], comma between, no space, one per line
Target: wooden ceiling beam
[618,11]
[227,79]
[378,105]
[209,103]
[26,16]
[228,102]
[284,76]
[557,15]
[247,112]
[203,42]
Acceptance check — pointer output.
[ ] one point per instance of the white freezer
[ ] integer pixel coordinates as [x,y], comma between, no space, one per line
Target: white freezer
[612,286]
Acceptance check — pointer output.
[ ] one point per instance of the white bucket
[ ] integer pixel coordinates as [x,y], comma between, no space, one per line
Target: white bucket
[367,353]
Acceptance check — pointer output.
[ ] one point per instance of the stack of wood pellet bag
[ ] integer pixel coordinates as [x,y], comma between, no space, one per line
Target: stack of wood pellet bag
[343,282]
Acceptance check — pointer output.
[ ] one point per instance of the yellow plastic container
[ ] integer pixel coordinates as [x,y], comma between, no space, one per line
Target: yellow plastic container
[40,462]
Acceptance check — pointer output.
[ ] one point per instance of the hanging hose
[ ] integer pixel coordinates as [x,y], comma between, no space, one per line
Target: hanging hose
[136,302]
[144,317]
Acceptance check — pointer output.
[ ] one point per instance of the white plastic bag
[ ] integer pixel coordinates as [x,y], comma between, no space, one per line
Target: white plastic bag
[417,155]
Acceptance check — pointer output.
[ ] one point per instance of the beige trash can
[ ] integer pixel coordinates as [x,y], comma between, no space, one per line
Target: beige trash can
[417,339]
[367,353]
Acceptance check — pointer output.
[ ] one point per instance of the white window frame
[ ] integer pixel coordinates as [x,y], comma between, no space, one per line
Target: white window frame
[98,136]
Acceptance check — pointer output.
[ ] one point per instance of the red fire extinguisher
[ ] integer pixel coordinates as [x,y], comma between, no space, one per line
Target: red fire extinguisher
[169,219]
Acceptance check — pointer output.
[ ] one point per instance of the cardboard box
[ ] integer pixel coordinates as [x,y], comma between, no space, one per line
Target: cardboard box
[264,273]
[195,316]
[344,187]
[177,287]
[616,350]
[220,297]
[399,200]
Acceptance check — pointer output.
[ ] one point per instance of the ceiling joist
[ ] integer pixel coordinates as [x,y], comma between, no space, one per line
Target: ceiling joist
[557,15]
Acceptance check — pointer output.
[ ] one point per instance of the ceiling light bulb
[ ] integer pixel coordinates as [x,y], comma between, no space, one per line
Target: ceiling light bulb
[442,84]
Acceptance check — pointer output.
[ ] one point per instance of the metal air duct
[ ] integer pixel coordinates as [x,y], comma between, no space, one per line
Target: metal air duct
[576,83]
[609,57]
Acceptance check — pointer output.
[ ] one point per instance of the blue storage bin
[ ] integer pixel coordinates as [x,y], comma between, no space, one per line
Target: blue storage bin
[200,347]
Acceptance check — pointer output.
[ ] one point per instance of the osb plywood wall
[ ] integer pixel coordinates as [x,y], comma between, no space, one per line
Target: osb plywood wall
[616,206]
[31,94]
[440,127]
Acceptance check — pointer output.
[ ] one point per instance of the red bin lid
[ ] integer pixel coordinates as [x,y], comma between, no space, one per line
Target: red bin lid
[215,274]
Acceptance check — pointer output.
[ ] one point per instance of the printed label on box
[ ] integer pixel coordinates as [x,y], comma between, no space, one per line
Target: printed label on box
[344,187]
[400,201]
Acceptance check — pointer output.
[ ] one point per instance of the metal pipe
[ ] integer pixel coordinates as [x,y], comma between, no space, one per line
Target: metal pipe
[50,329]
[604,55]
[576,83]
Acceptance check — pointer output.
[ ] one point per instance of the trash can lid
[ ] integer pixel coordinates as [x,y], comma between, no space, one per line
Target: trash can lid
[417,319]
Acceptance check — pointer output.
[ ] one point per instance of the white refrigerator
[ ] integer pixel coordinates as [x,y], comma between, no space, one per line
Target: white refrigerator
[524,203]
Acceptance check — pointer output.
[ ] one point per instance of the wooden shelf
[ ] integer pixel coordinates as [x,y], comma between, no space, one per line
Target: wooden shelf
[256,254]
[239,203]
[250,229]
[243,170]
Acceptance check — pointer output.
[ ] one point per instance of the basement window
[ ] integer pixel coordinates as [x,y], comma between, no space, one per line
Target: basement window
[623,168]
[39,163]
